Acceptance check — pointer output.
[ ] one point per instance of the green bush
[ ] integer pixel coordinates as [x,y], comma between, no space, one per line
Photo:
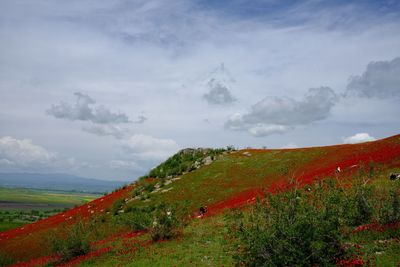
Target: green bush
[390,211]
[136,218]
[71,242]
[165,224]
[295,228]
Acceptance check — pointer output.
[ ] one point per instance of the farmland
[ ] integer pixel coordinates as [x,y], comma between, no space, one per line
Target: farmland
[19,206]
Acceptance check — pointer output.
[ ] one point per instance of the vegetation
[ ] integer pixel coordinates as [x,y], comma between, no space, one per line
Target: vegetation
[310,226]
[365,229]
[20,206]
[73,241]
[185,161]
[13,218]
[54,199]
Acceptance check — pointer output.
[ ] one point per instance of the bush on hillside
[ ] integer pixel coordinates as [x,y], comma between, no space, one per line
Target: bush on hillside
[289,229]
[307,227]
[71,242]
[165,224]
[390,210]
[137,218]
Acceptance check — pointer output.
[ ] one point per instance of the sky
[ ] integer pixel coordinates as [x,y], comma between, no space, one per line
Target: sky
[109,89]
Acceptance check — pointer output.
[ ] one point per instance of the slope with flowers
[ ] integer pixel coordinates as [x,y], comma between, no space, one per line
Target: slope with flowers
[234,179]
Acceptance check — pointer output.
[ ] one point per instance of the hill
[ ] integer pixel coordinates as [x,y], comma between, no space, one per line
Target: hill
[122,228]
[57,181]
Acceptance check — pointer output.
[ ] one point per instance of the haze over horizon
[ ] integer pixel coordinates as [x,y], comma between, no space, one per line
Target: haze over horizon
[108,89]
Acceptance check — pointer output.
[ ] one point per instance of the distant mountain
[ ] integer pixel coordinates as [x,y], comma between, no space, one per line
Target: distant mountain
[57,181]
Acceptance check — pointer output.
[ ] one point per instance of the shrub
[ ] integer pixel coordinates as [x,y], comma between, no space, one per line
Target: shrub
[289,229]
[117,206]
[358,209]
[75,242]
[165,224]
[390,212]
[136,218]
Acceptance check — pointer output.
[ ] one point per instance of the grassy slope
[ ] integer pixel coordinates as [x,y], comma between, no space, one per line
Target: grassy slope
[225,179]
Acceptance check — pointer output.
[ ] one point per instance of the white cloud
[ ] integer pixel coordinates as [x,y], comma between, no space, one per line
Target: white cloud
[261,129]
[358,138]
[148,147]
[381,79]
[84,110]
[219,94]
[278,115]
[107,130]
[23,152]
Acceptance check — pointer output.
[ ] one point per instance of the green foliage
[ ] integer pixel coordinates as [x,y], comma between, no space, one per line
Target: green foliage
[5,260]
[74,242]
[358,207]
[166,224]
[184,161]
[390,211]
[289,229]
[137,218]
[117,206]
[307,227]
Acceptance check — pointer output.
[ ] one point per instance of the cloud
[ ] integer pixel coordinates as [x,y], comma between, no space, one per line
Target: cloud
[22,152]
[141,119]
[148,147]
[84,110]
[124,165]
[278,115]
[219,94]
[381,79]
[261,129]
[358,138]
[107,130]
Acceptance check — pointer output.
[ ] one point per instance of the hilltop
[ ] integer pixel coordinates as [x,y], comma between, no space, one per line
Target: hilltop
[120,226]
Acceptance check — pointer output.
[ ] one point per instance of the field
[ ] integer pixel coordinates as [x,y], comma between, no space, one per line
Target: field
[119,227]
[21,206]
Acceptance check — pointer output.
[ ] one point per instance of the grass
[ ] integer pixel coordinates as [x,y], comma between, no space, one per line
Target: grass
[203,243]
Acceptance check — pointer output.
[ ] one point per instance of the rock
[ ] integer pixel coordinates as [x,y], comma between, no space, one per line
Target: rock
[247,153]
[207,160]
[166,190]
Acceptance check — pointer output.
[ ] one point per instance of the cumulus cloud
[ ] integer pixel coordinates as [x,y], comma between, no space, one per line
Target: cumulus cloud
[358,138]
[22,152]
[381,79]
[149,147]
[278,115]
[84,110]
